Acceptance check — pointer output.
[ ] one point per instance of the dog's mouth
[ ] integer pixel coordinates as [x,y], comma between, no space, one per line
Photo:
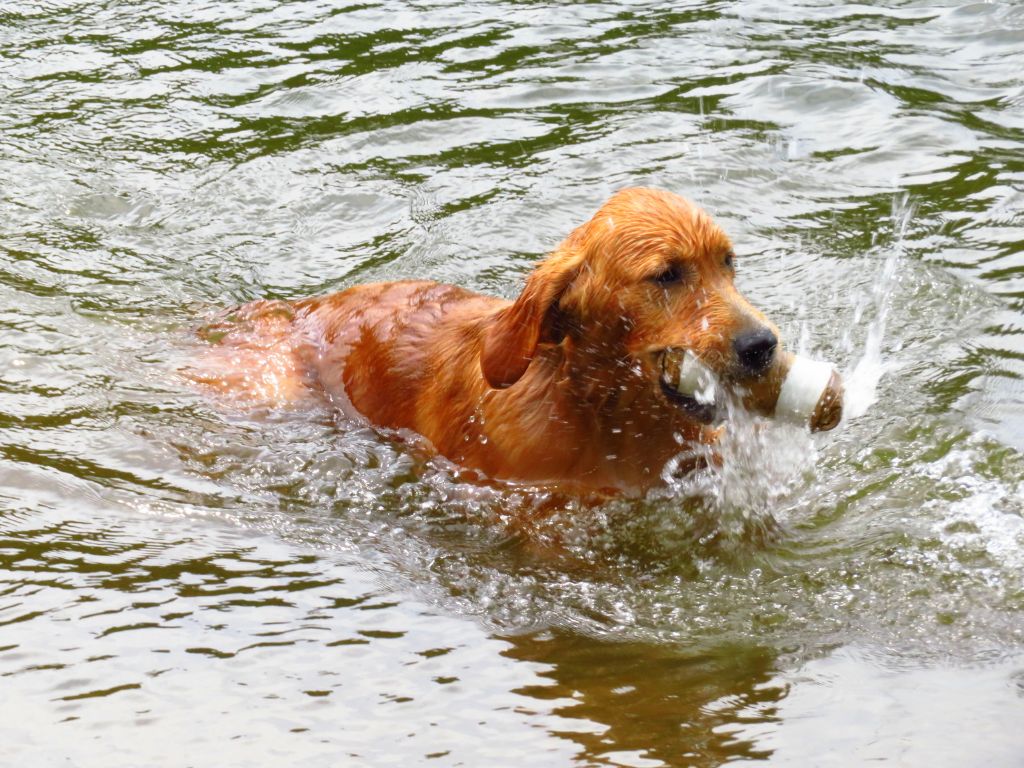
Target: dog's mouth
[794,389]
[702,412]
[697,396]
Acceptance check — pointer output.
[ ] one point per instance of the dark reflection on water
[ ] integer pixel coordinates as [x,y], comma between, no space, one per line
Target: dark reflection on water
[187,584]
[656,704]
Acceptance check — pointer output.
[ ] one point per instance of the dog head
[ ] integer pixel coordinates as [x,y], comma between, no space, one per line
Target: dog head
[649,274]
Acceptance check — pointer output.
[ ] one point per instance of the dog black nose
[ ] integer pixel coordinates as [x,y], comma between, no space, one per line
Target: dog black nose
[755,350]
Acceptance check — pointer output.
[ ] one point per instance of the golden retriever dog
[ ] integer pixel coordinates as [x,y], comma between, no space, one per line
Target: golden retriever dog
[565,386]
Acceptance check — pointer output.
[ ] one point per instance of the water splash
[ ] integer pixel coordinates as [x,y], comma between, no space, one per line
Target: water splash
[753,467]
[980,517]
[863,376]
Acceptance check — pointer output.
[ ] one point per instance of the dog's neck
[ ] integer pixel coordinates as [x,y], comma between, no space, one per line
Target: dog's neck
[604,418]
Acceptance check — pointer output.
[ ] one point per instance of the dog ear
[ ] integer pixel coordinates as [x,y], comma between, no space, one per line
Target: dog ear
[510,339]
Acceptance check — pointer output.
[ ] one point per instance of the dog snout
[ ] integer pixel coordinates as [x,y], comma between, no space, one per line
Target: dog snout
[755,350]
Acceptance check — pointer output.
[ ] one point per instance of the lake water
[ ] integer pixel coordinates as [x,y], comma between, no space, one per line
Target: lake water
[187,584]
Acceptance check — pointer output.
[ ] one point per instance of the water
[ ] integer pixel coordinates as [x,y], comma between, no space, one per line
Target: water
[187,583]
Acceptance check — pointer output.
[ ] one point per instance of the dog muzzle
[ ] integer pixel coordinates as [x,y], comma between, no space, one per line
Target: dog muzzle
[795,389]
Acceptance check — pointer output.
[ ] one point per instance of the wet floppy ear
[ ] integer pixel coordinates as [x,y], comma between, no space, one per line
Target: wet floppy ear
[511,337]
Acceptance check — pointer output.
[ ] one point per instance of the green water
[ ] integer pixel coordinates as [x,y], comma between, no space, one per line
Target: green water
[184,584]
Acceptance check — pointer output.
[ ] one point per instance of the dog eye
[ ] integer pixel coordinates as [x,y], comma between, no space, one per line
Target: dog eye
[670,276]
[730,261]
